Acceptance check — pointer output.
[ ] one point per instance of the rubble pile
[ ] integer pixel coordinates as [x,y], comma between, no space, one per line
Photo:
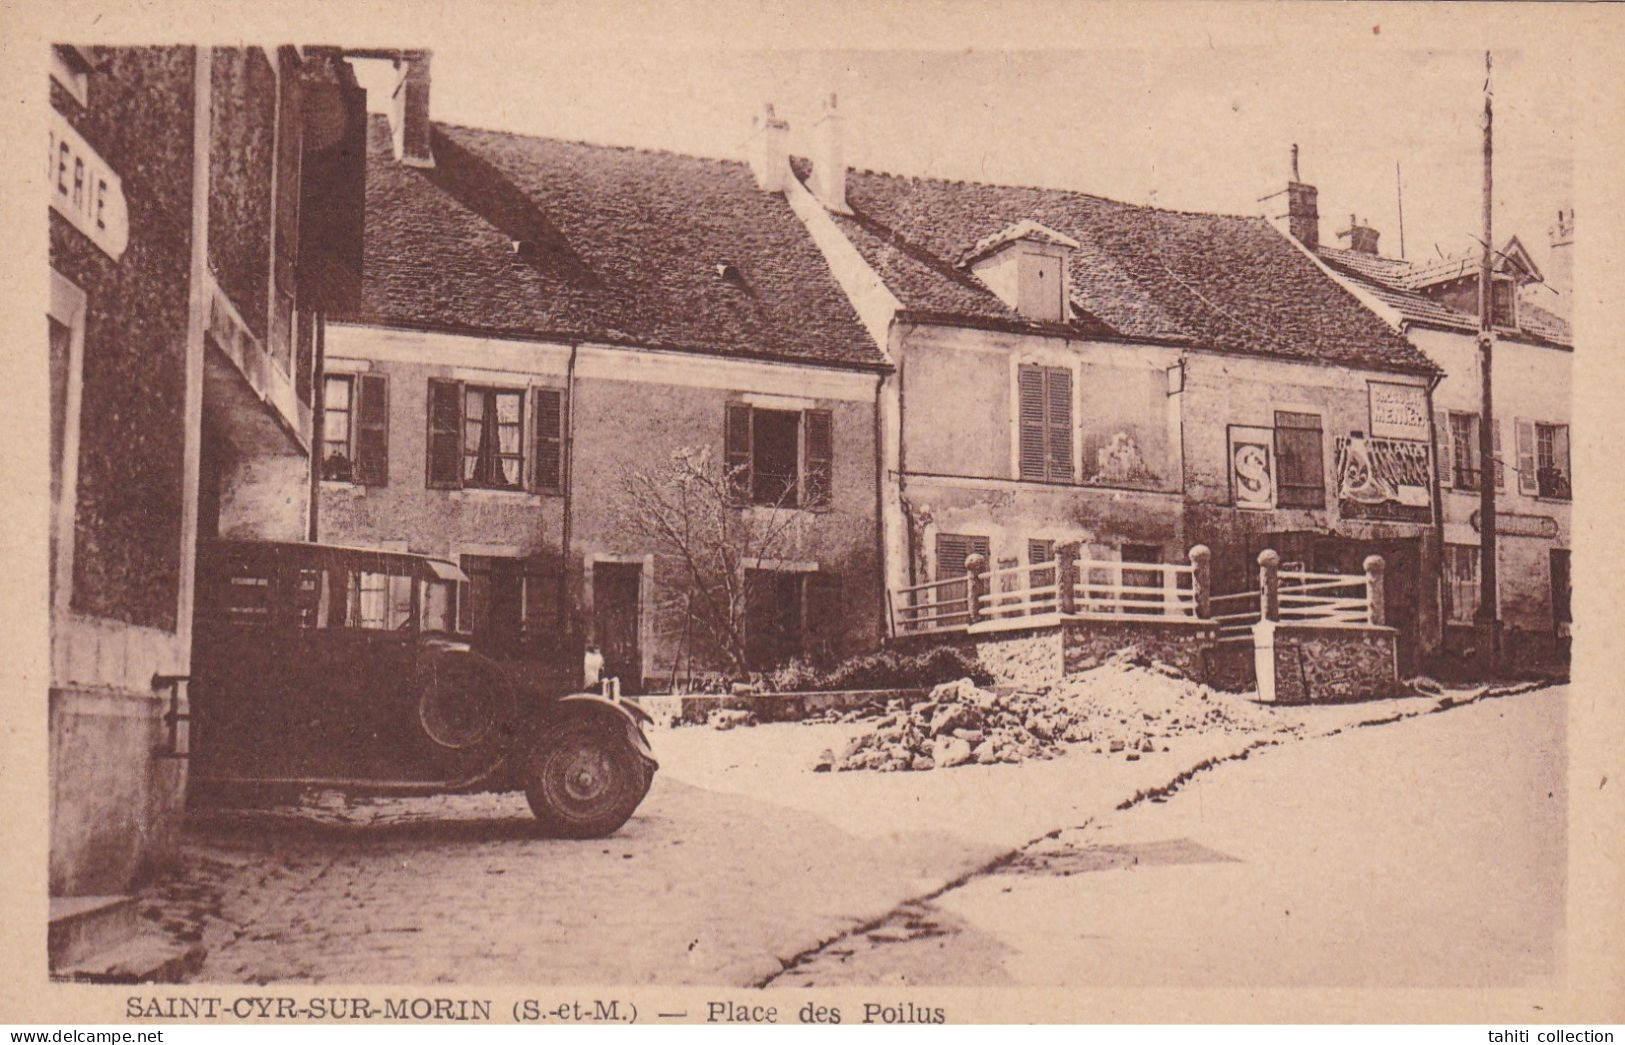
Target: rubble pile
[1127,706]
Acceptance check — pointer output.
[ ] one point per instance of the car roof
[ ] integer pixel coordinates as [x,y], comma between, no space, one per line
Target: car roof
[370,560]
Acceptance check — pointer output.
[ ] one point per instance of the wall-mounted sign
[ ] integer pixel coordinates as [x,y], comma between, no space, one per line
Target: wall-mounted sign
[85,190]
[1517,524]
[1398,411]
[1252,467]
[1388,479]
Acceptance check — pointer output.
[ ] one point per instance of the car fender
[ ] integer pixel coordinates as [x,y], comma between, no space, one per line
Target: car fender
[630,715]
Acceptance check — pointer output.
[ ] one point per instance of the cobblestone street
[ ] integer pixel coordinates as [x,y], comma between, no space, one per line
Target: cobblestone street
[740,859]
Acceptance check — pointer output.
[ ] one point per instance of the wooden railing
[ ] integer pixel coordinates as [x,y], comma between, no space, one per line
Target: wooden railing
[1068,585]
[1301,596]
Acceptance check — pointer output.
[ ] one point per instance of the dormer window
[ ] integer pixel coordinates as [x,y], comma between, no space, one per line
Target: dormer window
[1040,287]
[1026,266]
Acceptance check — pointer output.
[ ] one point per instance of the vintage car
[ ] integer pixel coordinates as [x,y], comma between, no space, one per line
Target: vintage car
[321,666]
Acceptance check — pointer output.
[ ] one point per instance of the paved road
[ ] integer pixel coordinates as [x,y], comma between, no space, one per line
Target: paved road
[1429,852]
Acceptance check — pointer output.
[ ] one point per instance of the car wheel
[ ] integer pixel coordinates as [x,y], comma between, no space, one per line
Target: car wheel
[584,779]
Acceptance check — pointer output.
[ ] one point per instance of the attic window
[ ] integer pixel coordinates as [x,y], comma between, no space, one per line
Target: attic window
[1504,303]
[1040,281]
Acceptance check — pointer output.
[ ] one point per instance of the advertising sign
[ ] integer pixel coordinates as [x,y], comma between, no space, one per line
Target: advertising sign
[1252,467]
[1398,411]
[1388,479]
[85,190]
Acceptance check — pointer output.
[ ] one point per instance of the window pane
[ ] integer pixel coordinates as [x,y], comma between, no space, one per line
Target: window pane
[508,438]
[508,408]
[510,471]
[774,471]
[474,404]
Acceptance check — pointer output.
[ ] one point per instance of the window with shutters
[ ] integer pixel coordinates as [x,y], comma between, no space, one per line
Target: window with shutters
[791,614]
[1466,459]
[476,437]
[779,458]
[1552,460]
[1044,420]
[1299,461]
[508,603]
[355,429]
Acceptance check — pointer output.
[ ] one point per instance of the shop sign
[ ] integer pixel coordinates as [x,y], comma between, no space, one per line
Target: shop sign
[1389,479]
[85,190]
[1252,467]
[1517,524]
[1398,411]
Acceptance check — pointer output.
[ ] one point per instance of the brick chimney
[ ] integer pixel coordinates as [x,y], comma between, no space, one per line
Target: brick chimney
[1361,236]
[829,160]
[1302,217]
[769,150]
[409,114]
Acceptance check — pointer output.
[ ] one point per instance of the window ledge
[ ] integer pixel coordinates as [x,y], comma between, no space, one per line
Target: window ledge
[482,496]
[344,484]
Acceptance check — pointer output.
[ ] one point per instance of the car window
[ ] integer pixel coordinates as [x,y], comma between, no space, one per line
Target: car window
[379,600]
[246,597]
[311,599]
[439,606]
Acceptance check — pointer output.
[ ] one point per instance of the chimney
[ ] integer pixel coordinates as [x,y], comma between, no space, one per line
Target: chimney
[1302,215]
[1361,236]
[829,160]
[409,116]
[1560,263]
[769,150]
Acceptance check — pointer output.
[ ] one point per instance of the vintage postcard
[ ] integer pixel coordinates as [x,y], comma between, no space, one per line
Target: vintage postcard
[910,514]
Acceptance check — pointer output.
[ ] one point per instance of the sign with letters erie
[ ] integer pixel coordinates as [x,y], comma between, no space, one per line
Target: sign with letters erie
[1398,411]
[85,190]
[1252,467]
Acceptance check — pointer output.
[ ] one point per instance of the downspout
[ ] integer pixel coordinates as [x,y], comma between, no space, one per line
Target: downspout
[565,527]
[902,458]
[318,421]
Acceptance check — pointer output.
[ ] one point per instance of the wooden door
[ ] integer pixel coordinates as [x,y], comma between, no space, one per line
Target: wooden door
[616,591]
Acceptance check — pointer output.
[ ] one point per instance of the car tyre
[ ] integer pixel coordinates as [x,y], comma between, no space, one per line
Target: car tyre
[584,778]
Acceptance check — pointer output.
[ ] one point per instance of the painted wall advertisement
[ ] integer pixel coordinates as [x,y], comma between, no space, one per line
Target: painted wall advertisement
[1252,467]
[1398,411]
[1389,479]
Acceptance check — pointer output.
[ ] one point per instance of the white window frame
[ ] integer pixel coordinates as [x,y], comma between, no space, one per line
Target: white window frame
[73,79]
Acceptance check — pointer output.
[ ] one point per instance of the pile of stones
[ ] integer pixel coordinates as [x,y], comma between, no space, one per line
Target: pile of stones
[1126,706]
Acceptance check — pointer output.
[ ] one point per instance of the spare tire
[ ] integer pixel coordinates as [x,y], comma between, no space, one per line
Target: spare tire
[465,707]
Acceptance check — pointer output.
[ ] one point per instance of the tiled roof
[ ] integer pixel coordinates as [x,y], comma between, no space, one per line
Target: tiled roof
[1205,280]
[1390,280]
[622,246]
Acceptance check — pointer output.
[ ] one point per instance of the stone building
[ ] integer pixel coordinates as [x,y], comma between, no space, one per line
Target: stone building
[542,322]
[181,381]
[1072,368]
[1435,306]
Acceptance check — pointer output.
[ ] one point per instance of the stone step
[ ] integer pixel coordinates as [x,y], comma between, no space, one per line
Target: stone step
[83,925]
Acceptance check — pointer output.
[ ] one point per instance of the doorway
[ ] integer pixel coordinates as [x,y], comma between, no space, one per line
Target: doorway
[617,589]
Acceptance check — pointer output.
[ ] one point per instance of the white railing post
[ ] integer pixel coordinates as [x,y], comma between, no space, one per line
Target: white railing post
[1202,580]
[1376,609]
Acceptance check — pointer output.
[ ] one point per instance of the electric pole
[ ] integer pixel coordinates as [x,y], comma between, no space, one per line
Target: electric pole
[1488,612]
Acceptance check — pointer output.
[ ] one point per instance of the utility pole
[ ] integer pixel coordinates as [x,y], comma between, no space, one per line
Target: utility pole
[1399,191]
[1488,612]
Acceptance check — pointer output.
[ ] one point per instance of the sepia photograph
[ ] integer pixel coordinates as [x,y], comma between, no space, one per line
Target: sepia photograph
[763,523]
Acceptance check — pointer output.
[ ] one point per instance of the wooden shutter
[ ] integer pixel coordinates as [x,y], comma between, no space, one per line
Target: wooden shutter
[549,474]
[1030,410]
[1528,479]
[445,463]
[822,616]
[819,433]
[371,418]
[1058,399]
[953,549]
[1445,449]
[736,452]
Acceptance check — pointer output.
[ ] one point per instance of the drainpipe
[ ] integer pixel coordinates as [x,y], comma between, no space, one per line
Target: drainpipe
[318,421]
[569,482]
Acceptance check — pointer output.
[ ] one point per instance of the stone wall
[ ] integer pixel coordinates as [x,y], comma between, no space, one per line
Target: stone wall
[1326,663]
[1231,667]
[1183,644]
[1025,657]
